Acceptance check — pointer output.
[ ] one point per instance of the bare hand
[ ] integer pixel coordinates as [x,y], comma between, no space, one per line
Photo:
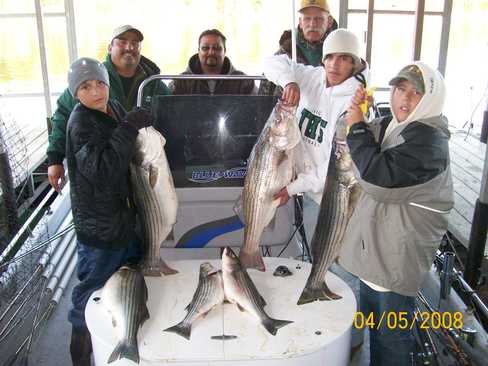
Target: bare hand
[283,196]
[56,176]
[354,113]
[291,94]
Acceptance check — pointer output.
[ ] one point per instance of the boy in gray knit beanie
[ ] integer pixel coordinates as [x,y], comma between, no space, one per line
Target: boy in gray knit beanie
[84,69]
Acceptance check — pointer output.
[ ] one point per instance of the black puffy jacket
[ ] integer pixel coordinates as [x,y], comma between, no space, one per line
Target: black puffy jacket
[98,151]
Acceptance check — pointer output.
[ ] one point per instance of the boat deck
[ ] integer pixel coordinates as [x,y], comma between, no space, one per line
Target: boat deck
[467,161]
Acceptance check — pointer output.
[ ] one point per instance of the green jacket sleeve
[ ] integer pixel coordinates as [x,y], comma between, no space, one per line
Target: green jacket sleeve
[57,138]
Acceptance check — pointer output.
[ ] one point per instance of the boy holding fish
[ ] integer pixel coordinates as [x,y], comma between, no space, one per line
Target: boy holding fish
[100,144]
[403,169]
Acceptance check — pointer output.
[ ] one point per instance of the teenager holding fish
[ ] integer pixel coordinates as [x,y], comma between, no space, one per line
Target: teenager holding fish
[400,218]
[323,95]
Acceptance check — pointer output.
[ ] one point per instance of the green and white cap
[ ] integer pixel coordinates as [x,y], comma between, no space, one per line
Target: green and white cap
[411,73]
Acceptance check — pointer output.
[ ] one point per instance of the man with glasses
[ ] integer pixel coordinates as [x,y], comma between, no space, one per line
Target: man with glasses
[127,68]
[211,60]
[314,25]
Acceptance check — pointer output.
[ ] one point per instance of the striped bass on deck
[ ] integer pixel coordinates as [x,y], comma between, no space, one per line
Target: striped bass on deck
[125,295]
[155,197]
[209,293]
[240,289]
[339,199]
[270,168]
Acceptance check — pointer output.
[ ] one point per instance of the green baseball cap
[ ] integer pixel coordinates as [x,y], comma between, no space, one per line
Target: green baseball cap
[413,74]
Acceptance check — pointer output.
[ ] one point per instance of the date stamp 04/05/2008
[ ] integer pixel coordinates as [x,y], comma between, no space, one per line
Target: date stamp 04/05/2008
[403,320]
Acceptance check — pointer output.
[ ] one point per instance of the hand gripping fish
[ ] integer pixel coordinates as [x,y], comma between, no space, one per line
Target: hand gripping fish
[125,296]
[340,197]
[155,197]
[209,293]
[240,289]
[270,169]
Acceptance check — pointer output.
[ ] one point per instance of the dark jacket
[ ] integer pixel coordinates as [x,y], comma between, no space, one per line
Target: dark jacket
[221,86]
[98,151]
[307,53]
[66,102]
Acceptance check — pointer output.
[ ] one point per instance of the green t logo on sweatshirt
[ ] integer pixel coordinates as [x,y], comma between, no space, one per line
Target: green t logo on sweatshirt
[314,125]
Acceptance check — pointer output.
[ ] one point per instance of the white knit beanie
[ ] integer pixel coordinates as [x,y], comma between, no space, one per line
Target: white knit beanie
[343,41]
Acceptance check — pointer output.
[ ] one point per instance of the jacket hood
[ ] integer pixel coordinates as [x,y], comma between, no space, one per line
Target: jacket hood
[194,66]
[432,102]
[148,66]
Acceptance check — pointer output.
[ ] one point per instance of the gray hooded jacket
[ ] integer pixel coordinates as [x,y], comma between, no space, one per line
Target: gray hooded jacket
[401,215]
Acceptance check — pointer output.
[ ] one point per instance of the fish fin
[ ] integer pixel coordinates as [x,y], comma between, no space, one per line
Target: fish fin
[114,322]
[206,313]
[240,307]
[253,260]
[138,155]
[327,292]
[353,199]
[143,314]
[126,350]
[313,294]
[145,292]
[272,325]
[262,302]
[151,271]
[181,329]
[153,175]
[165,269]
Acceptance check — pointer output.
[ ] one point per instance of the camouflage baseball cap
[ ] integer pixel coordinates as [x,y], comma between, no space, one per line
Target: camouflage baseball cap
[413,74]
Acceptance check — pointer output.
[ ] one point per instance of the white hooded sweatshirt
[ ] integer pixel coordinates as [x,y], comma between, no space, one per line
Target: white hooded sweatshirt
[318,111]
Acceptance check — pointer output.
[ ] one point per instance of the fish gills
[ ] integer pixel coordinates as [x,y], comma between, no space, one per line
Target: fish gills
[240,289]
[209,293]
[125,295]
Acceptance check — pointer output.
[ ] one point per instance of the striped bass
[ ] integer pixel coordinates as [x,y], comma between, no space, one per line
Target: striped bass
[240,290]
[270,168]
[155,197]
[339,199]
[125,295]
[209,293]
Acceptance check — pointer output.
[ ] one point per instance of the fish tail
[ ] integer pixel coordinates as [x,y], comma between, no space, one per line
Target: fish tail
[166,269]
[125,349]
[181,329]
[311,294]
[331,295]
[272,325]
[252,260]
[151,271]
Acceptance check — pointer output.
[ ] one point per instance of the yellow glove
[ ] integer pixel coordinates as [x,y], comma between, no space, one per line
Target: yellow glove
[365,105]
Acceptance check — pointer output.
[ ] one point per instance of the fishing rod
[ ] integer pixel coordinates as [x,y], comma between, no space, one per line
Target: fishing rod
[456,276]
[39,246]
[455,341]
